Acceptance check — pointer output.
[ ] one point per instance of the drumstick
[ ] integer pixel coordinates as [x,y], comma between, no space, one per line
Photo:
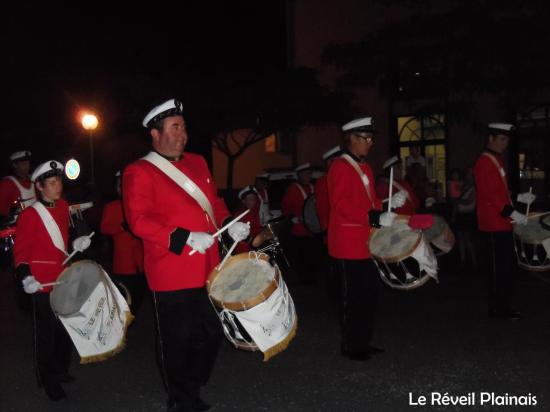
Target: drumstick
[74,251]
[223,229]
[233,246]
[390,190]
[59,282]
[529,204]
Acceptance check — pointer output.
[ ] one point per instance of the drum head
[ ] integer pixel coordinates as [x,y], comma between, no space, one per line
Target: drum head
[439,225]
[440,235]
[243,282]
[394,243]
[79,281]
[545,221]
[309,215]
[533,232]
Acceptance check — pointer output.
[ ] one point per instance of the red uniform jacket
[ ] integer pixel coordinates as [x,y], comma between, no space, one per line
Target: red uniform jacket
[411,204]
[9,193]
[349,229]
[155,206]
[321,202]
[492,194]
[34,246]
[127,249]
[293,205]
[255,227]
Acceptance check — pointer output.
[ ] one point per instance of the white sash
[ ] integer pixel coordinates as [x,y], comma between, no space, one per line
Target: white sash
[26,194]
[182,181]
[304,194]
[501,172]
[51,226]
[362,175]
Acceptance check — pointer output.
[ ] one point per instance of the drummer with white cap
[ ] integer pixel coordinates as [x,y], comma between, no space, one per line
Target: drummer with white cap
[304,247]
[399,185]
[354,210]
[39,253]
[261,183]
[17,188]
[495,215]
[171,202]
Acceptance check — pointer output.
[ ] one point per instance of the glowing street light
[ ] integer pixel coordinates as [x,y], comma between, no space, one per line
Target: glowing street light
[89,122]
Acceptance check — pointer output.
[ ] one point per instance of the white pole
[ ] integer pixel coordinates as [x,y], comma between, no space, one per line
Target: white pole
[529,204]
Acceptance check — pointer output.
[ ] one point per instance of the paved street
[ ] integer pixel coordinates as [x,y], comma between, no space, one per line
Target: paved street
[436,339]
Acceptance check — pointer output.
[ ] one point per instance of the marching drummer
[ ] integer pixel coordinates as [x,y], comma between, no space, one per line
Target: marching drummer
[304,246]
[354,209]
[261,183]
[39,251]
[171,203]
[399,185]
[17,188]
[127,249]
[249,201]
[495,216]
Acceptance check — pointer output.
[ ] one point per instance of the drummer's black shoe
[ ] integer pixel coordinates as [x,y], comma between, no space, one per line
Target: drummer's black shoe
[55,392]
[505,314]
[355,355]
[373,350]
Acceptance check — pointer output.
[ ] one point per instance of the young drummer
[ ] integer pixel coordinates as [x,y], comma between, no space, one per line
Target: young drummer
[39,251]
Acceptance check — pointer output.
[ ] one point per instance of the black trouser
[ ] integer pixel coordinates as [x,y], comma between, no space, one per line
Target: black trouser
[358,302]
[305,257]
[500,267]
[137,287]
[190,334]
[52,345]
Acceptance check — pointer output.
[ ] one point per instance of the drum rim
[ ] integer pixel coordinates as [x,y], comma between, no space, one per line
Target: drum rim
[247,303]
[265,229]
[544,226]
[404,255]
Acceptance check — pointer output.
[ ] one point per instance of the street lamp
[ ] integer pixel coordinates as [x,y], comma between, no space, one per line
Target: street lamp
[89,122]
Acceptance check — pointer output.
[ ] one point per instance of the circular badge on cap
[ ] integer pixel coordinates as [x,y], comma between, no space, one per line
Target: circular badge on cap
[72,169]
[53,165]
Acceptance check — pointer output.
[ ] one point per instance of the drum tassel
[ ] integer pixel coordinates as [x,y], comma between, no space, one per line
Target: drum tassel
[282,345]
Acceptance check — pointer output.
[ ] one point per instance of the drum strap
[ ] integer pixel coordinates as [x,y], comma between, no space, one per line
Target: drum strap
[51,226]
[303,192]
[183,181]
[26,194]
[501,171]
[362,175]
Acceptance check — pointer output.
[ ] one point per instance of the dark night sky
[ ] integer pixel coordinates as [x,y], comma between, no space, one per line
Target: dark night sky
[59,60]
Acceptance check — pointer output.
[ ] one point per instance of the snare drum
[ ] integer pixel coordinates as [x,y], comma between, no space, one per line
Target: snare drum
[92,310]
[440,236]
[529,243]
[253,302]
[404,260]
[7,239]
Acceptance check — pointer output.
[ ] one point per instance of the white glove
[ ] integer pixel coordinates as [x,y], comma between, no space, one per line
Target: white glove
[398,199]
[200,241]
[429,201]
[81,243]
[526,198]
[518,218]
[387,218]
[31,285]
[239,231]
[295,220]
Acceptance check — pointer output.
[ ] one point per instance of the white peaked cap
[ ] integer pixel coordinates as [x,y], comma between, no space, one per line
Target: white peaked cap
[117,174]
[363,122]
[53,167]
[246,190]
[392,161]
[332,152]
[305,166]
[505,128]
[264,175]
[170,107]
[22,154]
